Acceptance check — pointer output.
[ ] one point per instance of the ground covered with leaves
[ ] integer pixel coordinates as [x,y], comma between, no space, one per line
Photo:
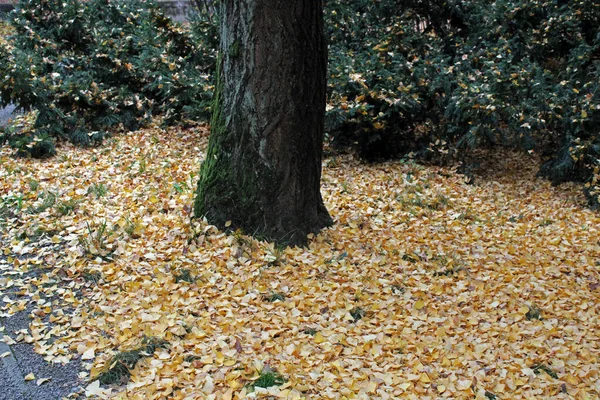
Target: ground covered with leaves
[425,287]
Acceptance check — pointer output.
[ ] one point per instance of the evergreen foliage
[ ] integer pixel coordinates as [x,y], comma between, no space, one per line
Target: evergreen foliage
[435,79]
[89,68]
[439,78]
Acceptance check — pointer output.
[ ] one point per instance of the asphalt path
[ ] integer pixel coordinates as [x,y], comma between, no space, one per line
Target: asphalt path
[17,360]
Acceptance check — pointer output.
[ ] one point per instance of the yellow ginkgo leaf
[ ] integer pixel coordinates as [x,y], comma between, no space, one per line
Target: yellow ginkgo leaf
[419,304]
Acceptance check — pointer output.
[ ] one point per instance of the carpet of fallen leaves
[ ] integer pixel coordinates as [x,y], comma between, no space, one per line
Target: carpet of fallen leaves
[426,287]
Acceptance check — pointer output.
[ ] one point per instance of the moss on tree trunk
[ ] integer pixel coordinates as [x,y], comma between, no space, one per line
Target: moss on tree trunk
[263,165]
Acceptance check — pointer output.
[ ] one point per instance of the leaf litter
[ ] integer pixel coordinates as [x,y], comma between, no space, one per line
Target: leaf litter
[426,287]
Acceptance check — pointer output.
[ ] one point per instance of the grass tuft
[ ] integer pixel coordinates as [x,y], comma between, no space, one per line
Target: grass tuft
[398,289]
[539,368]
[267,379]
[273,297]
[275,255]
[153,343]
[66,207]
[357,313]
[95,241]
[93,277]
[33,185]
[310,331]
[191,358]
[184,276]
[48,201]
[98,190]
[131,228]
[119,369]
[449,271]
[534,313]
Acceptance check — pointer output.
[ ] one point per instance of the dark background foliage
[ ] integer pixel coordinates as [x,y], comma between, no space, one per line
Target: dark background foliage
[434,79]
[89,68]
[439,78]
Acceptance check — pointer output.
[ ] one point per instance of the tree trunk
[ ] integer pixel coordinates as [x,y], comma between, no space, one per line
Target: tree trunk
[263,166]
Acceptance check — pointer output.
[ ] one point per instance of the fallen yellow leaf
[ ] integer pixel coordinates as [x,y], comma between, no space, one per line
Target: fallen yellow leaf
[41,381]
[319,338]
[463,384]
[419,304]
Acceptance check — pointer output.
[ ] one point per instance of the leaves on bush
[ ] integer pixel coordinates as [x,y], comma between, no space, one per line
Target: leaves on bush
[90,68]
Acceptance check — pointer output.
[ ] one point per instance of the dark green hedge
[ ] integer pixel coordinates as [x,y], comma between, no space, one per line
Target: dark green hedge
[440,77]
[432,78]
[89,68]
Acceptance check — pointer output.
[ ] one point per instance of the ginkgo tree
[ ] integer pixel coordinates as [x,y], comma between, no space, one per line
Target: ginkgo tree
[263,165]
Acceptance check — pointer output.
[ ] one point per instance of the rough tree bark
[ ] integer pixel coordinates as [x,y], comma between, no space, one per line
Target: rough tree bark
[263,166]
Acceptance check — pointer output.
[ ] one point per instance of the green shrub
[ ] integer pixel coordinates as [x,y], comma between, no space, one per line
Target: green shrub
[441,78]
[89,68]
[434,79]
